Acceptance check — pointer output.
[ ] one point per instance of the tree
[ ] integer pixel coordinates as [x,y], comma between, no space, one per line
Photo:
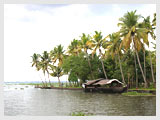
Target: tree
[44,64]
[56,72]
[148,25]
[113,48]
[74,47]
[83,43]
[36,62]
[132,32]
[57,54]
[77,65]
[97,42]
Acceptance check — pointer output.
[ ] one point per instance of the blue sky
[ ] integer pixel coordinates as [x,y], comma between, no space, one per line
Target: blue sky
[32,29]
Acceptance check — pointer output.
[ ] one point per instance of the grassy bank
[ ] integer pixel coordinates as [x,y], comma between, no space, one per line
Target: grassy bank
[80,114]
[137,94]
[153,89]
[64,85]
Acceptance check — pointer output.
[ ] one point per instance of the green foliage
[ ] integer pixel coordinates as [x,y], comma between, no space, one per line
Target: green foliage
[77,65]
[72,77]
[80,114]
[92,57]
[136,94]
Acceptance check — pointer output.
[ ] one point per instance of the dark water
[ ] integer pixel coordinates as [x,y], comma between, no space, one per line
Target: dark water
[25,100]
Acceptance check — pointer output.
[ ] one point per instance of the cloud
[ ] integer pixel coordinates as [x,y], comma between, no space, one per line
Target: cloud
[32,29]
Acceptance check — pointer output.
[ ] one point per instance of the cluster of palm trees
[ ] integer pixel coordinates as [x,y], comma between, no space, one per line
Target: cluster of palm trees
[132,37]
[46,62]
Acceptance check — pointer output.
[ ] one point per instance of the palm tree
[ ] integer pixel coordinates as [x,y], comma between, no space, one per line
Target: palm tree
[36,62]
[113,48]
[74,47]
[132,32]
[57,54]
[56,72]
[44,64]
[83,43]
[97,42]
[147,24]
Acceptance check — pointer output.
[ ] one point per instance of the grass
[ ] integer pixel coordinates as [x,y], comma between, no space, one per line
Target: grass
[154,89]
[80,114]
[137,94]
[65,85]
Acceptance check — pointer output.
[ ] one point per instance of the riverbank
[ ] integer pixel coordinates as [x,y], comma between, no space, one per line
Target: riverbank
[62,88]
[135,93]
[130,92]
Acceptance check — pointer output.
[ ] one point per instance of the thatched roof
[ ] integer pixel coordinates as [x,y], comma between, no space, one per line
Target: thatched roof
[93,81]
[102,81]
[105,82]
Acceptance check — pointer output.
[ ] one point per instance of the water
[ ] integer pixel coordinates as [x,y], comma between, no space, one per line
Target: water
[27,100]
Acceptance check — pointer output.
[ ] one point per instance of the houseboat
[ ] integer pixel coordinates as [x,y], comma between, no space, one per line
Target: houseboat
[105,86]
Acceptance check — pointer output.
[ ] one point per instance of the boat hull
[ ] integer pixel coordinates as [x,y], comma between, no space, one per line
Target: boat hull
[107,90]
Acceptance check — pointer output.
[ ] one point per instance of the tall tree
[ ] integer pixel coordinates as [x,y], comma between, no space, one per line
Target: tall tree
[148,25]
[83,43]
[74,47]
[132,32]
[113,48]
[57,54]
[97,42]
[56,72]
[36,62]
[44,64]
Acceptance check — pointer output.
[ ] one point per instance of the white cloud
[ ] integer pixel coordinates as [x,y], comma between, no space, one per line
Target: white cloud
[28,31]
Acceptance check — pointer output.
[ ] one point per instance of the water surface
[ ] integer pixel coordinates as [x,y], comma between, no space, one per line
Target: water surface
[27,100]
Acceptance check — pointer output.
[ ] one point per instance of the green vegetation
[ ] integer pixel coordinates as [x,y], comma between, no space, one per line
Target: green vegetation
[122,55]
[137,94]
[80,114]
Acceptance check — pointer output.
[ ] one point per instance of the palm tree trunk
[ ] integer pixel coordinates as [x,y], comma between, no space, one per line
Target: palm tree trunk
[136,70]
[59,82]
[135,63]
[89,63]
[45,81]
[103,64]
[49,80]
[144,63]
[146,85]
[121,69]
[42,81]
[154,82]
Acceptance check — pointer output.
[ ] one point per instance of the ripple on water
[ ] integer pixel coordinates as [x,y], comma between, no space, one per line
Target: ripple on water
[31,101]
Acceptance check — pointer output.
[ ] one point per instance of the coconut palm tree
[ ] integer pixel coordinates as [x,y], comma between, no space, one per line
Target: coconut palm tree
[113,48]
[83,43]
[44,64]
[57,54]
[97,42]
[132,32]
[56,72]
[35,60]
[36,63]
[148,25]
[74,47]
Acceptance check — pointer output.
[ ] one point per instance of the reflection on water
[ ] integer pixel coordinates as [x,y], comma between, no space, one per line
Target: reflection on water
[26,100]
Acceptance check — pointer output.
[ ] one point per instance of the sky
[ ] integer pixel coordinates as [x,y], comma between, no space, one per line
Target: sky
[36,28]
